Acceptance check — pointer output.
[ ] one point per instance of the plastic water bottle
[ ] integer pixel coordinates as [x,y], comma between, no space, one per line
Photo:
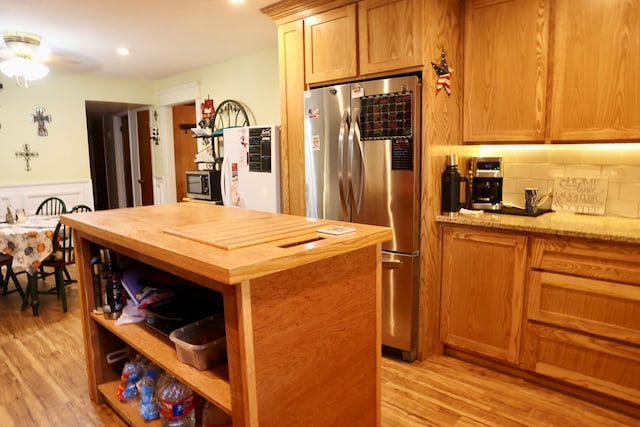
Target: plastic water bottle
[176,403]
[149,406]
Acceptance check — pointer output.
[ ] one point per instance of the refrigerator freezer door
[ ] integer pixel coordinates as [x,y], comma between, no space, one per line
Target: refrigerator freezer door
[400,278]
[389,140]
[326,131]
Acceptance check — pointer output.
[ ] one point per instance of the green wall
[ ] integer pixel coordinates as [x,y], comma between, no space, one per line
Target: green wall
[62,155]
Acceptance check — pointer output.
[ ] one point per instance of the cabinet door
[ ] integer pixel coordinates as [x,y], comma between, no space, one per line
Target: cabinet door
[483,275]
[390,35]
[606,366]
[596,95]
[330,45]
[505,70]
[291,47]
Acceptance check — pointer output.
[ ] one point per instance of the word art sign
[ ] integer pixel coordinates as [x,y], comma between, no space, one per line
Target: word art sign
[580,195]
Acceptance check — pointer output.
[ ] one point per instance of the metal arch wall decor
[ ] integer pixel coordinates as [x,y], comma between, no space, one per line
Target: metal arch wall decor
[229,113]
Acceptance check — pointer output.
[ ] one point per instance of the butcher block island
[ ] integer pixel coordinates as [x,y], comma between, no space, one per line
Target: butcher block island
[301,310]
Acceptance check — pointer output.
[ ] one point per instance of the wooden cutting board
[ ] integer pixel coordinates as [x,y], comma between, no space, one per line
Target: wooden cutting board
[233,234]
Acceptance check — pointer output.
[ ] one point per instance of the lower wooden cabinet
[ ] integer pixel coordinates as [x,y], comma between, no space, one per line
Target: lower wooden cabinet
[595,363]
[583,327]
[561,307]
[483,277]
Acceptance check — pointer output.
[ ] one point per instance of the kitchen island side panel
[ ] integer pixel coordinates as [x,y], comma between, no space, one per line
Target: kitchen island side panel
[316,342]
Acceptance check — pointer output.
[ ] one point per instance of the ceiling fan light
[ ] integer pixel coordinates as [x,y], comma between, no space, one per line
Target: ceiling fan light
[23,68]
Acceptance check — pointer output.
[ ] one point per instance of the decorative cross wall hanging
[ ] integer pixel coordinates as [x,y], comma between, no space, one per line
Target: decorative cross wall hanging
[41,117]
[442,70]
[27,155]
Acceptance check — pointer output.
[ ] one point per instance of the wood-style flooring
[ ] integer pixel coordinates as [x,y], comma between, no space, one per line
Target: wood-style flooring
[43,383]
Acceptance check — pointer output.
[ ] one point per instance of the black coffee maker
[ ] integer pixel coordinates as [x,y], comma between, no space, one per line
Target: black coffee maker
[486,183]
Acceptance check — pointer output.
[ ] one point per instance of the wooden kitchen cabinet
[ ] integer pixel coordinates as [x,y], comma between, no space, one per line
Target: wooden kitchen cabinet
[385,35]
[483,282]
[291,50]
[596,95]
[390,35]
[505,70]
[582,315]
[331,43]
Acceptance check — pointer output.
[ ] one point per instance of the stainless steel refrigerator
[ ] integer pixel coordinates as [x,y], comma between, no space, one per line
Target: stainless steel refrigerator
[362,164]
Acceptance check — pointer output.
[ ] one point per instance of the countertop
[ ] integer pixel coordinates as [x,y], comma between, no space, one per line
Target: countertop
[607,228]
[225,244]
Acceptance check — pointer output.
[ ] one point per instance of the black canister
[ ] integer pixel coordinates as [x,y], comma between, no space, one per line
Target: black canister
[451,180]
[98,288]
[113,285]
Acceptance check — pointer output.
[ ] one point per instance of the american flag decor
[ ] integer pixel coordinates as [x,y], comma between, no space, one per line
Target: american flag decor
[442,70]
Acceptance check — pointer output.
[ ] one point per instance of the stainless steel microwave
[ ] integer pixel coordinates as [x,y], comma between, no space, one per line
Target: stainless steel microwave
[203,184]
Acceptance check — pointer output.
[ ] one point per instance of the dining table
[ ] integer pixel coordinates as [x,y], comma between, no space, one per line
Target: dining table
[29,242]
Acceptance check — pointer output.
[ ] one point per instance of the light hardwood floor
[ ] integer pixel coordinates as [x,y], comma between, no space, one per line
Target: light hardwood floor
[43,383]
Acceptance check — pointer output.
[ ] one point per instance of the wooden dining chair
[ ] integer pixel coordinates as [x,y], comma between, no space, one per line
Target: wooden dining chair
[51,206]
[80,208]
[6,261]
[60,258]
[76,208]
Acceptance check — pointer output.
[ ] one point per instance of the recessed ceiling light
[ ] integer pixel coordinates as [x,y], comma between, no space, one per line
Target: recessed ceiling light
[122,51]
[236,1]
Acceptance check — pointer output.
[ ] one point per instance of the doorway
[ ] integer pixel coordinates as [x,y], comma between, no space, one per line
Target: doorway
[185,146]
[119,154]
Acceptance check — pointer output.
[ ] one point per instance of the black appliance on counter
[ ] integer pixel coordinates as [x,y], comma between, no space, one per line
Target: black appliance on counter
[203,184]
[486,183]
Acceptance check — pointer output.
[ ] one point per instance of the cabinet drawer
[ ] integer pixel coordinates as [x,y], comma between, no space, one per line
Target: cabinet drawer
[595,306]
[595,364]
[580,257]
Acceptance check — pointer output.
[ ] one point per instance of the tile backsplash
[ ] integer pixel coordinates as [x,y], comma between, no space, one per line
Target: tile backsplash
[537,165]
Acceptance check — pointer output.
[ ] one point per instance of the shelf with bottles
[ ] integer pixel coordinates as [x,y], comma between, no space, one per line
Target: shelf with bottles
[212,383]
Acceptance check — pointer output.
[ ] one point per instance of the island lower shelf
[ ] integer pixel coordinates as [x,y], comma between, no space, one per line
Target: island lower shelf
[126,410]
[212,384]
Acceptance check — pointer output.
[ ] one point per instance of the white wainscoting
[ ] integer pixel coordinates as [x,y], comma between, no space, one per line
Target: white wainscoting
[29,196]
[158,190]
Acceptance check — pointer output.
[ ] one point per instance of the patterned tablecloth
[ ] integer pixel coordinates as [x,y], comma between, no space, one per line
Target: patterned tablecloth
[29,242]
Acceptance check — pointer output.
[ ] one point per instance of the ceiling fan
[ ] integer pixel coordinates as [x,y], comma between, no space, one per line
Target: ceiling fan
[23,57]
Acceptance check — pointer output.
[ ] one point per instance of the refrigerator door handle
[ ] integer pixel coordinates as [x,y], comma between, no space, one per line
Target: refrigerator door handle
[344,195]
[355,142]
[224,192]
[388,263]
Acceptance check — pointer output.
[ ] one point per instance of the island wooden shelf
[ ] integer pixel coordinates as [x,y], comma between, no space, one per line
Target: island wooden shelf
[212,384]
[301,310]
[124,409]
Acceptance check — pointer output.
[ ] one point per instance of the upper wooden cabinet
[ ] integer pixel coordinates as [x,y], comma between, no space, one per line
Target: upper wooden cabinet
[385,35]
[390,35]
[483,282]
[330,41]
[505,70]
[596,95]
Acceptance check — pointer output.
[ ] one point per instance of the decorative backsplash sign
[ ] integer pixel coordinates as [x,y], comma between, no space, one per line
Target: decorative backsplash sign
[580,195]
